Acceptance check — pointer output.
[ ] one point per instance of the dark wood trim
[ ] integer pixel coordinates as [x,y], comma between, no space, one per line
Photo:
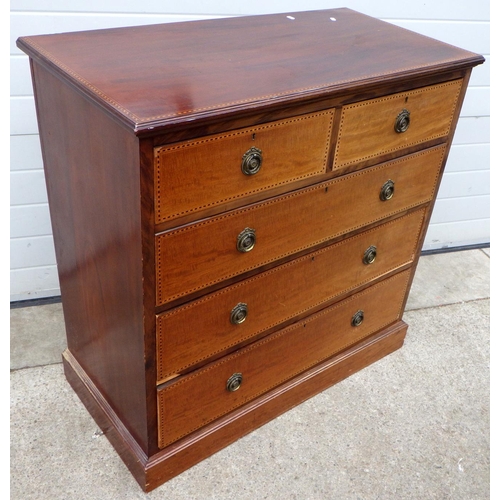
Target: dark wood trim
[176,458]
[228,114]
[273,111]
[451,133]
[148,269]
[106,418]
[365,73]
[393,81]
[221,433]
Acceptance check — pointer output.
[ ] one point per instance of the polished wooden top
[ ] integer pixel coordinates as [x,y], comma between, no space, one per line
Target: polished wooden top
[153,76]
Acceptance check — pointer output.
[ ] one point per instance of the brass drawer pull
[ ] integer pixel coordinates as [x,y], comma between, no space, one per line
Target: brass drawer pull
[239,313]
[246,240]
[402,121]
[387,191]
[234,382]
[252,161]
[370,255]
[358,318]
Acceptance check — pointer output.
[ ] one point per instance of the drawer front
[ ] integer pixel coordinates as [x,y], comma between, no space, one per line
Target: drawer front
[201,397]
[195,175]
[192,333]
[368,129]
[195,256]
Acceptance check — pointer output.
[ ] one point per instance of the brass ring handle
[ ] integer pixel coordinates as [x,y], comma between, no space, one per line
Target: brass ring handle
[402,121]
[252,161]
[239,313]
[370,255]
[246,240]
[234,382]
[387,191]
[358,318]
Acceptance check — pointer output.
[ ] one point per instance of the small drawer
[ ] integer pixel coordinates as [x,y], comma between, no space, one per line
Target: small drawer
[199,330]
[202,254]
[195,175]
[370,129]
[196,399]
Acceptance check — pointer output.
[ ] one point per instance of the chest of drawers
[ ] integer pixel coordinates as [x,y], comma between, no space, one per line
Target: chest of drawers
[238,207]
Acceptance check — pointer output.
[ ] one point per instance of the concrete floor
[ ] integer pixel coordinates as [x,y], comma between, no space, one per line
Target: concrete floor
[415,425]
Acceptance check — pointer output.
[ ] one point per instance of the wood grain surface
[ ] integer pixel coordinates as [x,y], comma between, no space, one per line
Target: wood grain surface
[195,175]
[222,66]
[198,255]
[200,397]
[143,131]
[367,128]
[202,328]
[94,198]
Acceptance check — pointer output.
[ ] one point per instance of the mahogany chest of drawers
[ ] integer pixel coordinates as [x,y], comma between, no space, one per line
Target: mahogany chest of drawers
[238,207]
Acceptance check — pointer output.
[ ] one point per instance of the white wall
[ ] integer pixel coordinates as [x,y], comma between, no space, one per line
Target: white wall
[461,214]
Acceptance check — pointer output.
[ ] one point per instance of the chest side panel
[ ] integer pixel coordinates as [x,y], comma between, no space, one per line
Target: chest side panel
[94,198]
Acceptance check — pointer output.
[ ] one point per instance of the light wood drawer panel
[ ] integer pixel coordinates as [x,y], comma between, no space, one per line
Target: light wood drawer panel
[198,174]
[195,256]
[201,397]
[192,333]
[367,129]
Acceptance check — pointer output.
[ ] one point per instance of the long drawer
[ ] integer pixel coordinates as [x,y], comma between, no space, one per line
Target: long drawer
[201,254]
[239,163]
[210,392]
[202,328]
[372,128]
